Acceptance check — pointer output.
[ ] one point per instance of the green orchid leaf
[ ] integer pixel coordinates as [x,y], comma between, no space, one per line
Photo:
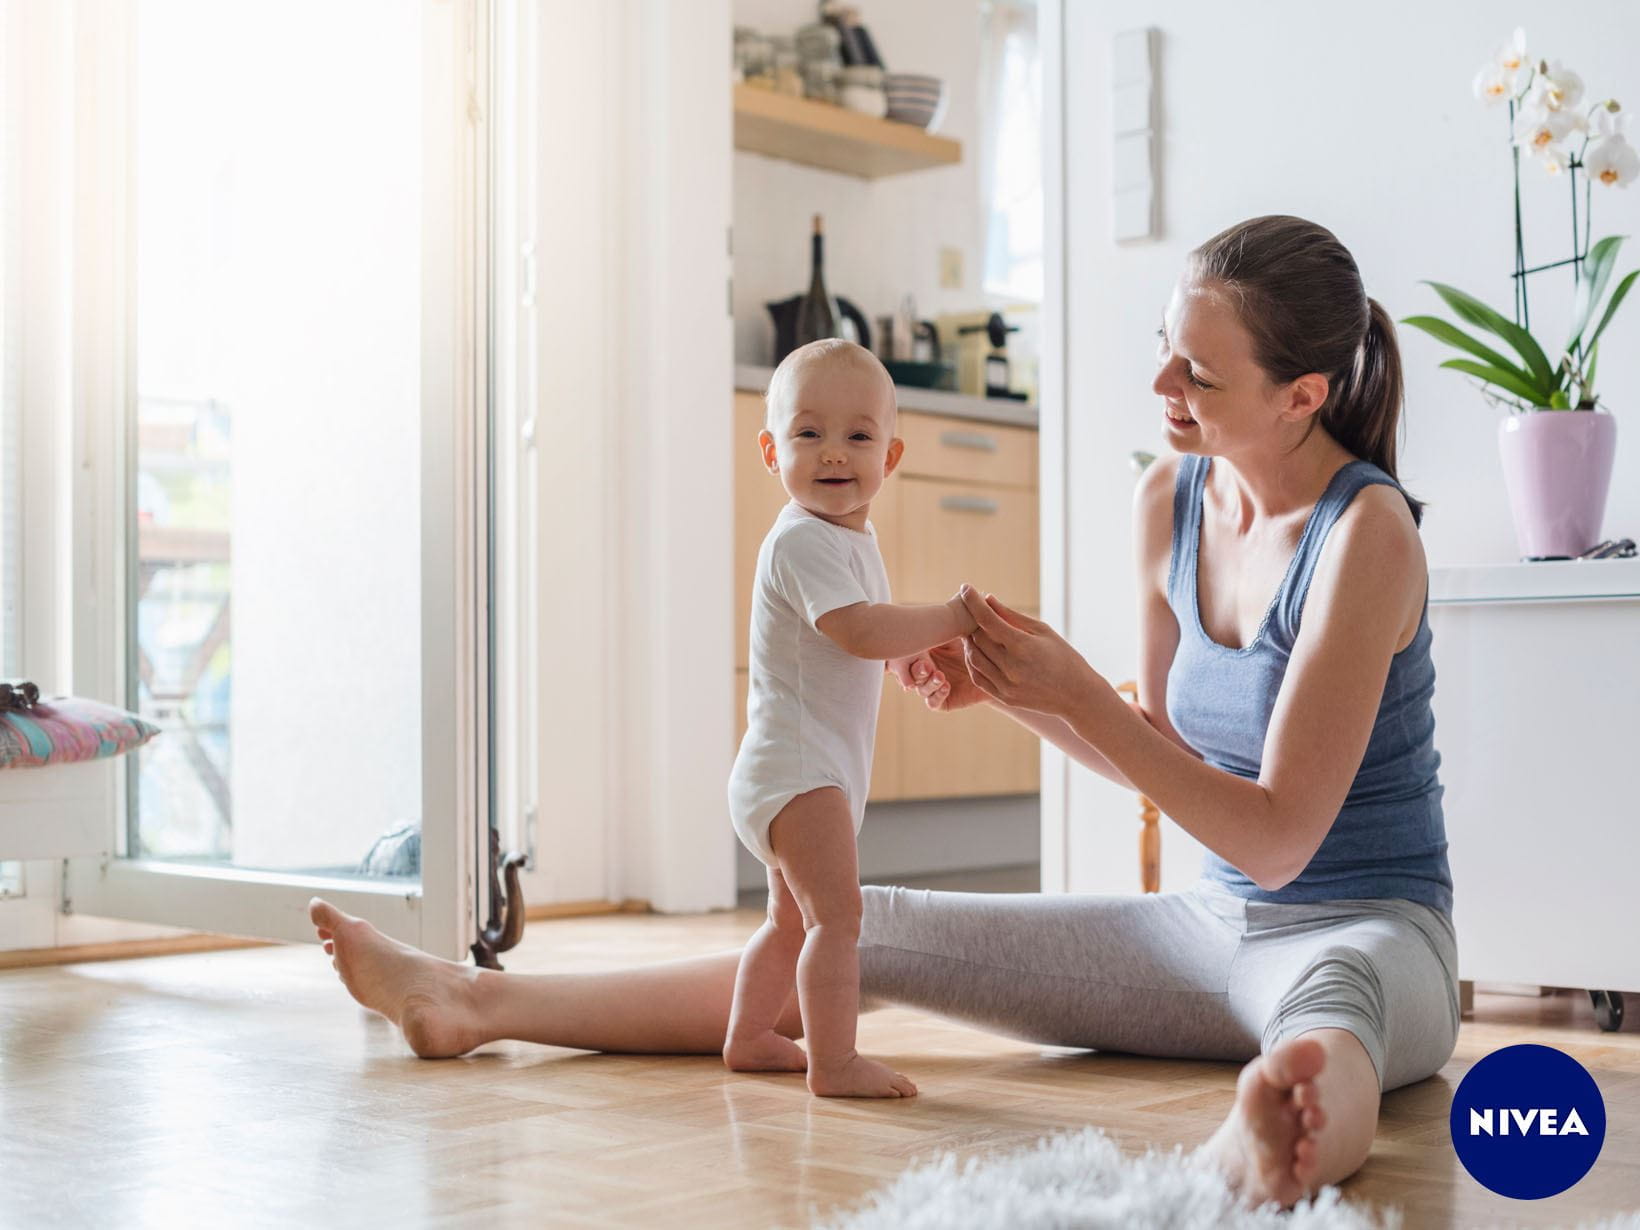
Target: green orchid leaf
[1475,312]
[1611,306]
[1597,271]
[1559,400]
[1453,336]
[1594,360]
[1503,379]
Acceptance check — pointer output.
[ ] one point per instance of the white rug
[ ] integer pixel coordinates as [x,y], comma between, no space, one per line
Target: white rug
[1082,1181]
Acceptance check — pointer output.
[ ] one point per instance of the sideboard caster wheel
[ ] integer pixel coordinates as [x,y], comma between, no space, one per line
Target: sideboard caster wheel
[1608,1010]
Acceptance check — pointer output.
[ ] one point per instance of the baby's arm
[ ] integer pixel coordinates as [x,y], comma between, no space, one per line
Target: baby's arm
[883,630]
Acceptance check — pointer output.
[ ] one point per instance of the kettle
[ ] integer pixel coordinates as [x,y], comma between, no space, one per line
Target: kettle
[785,324]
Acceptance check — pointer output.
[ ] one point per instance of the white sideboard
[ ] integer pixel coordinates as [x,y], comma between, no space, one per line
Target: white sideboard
[1537,710]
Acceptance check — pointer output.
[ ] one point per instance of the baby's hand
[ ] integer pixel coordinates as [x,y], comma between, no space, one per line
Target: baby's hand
[910,671]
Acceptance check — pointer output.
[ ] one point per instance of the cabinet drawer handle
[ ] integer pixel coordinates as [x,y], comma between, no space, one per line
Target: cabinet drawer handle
[976,440]
[968,503]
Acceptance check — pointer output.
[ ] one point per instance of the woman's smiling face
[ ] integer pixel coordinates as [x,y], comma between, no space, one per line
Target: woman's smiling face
[1214,394]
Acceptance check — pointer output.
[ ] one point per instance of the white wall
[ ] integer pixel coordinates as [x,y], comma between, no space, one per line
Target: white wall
[1368,127]
[883,237]
[633,404]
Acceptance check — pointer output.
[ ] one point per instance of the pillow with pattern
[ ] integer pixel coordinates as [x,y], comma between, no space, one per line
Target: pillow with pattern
[66,729]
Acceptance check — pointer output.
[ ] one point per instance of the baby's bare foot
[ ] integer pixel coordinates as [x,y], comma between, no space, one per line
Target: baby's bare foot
[858,1077]
[433,1002]
[768,1052]
[1266,1148]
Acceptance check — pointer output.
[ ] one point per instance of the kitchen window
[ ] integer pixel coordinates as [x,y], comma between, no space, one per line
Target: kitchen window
[1011,149]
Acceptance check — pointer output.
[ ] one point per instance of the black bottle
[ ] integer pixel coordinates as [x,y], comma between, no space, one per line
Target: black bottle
[817,315]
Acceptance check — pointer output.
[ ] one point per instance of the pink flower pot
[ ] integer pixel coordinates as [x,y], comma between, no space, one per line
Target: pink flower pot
[1557,465]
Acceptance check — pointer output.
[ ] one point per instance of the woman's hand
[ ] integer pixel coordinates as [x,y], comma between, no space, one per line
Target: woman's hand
[1021,662]
[940,676]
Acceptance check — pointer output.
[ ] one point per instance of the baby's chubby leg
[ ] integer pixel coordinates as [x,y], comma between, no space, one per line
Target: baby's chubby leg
[763,985]
[813,837]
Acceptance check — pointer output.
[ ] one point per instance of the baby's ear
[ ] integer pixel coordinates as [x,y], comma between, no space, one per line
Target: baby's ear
[771,458]
[896,448]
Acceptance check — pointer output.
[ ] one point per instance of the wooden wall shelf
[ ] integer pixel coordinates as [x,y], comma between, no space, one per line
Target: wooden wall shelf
[834,138]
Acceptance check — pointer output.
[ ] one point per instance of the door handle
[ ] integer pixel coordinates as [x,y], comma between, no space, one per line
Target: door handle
[976,440]
[968,503]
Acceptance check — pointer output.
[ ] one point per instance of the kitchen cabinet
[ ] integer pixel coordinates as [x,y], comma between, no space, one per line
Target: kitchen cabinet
[961,507]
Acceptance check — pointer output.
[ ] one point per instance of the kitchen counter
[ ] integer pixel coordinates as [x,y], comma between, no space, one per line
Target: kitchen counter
[753,379]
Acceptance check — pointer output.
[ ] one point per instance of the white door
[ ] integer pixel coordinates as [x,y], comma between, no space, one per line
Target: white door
[279,510]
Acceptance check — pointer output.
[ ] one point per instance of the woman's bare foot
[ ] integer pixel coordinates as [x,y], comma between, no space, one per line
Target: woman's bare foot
[858,1077]
[433,1002]
[1266,1147]
[769,1052]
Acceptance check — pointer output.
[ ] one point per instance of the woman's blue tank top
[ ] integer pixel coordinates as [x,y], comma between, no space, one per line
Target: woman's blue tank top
[1389,839]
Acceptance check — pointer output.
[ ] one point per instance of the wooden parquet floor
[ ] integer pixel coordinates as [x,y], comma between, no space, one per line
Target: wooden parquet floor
[244,1088]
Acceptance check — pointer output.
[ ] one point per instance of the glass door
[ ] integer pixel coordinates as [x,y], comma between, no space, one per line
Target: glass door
[298,467]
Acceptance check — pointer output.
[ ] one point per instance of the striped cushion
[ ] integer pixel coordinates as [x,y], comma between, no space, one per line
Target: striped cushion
[67,729]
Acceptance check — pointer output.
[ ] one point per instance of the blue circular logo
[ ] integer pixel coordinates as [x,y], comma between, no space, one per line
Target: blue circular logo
[1528,1121]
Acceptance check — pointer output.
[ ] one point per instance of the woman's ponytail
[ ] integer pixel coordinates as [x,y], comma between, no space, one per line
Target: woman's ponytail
[1364,412]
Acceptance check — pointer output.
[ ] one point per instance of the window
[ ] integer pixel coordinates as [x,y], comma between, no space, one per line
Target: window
[276,484]
[1011,149]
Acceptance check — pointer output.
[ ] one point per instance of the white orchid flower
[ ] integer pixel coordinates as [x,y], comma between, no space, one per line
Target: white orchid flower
[1537,131]
[1556,158]
[1511,56]
[1612,161]
[1609,120]
[1512,63]
[1493,85]
[1555,88]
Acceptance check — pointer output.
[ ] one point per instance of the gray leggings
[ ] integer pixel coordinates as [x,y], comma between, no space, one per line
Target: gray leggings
[1199,974]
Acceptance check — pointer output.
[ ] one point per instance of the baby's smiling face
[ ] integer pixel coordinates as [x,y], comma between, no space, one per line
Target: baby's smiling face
[830,435]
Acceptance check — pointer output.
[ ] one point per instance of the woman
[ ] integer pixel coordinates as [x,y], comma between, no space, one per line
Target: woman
[1292,736]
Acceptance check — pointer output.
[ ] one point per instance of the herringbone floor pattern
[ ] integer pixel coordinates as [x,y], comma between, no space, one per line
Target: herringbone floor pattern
[244,1088]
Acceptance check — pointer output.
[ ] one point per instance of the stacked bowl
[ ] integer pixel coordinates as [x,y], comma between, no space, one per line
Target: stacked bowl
[915,99]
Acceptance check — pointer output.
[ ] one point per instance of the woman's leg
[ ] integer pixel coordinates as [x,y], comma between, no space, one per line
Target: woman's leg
[1147,974]
[1165,974]
[448,1009]
[1143,974]
[1358,996]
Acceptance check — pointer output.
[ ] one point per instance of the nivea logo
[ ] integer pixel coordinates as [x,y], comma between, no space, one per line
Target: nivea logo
[1538,1119]
[1528,1121]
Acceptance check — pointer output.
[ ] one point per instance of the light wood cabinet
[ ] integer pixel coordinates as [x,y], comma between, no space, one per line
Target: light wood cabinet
[989,453]
[965,532]
[961,507]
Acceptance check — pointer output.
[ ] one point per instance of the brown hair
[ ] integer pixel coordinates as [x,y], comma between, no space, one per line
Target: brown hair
[1299,294]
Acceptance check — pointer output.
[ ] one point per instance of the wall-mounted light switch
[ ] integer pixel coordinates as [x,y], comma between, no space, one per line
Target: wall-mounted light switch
[1134,203]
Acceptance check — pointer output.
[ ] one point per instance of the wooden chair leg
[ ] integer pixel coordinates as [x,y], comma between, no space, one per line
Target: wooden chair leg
[1150,833]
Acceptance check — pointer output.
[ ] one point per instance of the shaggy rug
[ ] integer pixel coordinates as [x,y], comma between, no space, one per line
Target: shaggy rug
[1082,1181]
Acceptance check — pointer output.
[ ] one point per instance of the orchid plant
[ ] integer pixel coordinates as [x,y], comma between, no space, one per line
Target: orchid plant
[1548,120]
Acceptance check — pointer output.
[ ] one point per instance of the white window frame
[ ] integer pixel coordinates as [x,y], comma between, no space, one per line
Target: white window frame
[438,915]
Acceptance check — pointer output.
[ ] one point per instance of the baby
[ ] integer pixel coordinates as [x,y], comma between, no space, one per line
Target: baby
[822,625]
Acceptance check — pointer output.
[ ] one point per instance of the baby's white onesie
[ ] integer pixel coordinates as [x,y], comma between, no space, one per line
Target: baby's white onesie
[811,707]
